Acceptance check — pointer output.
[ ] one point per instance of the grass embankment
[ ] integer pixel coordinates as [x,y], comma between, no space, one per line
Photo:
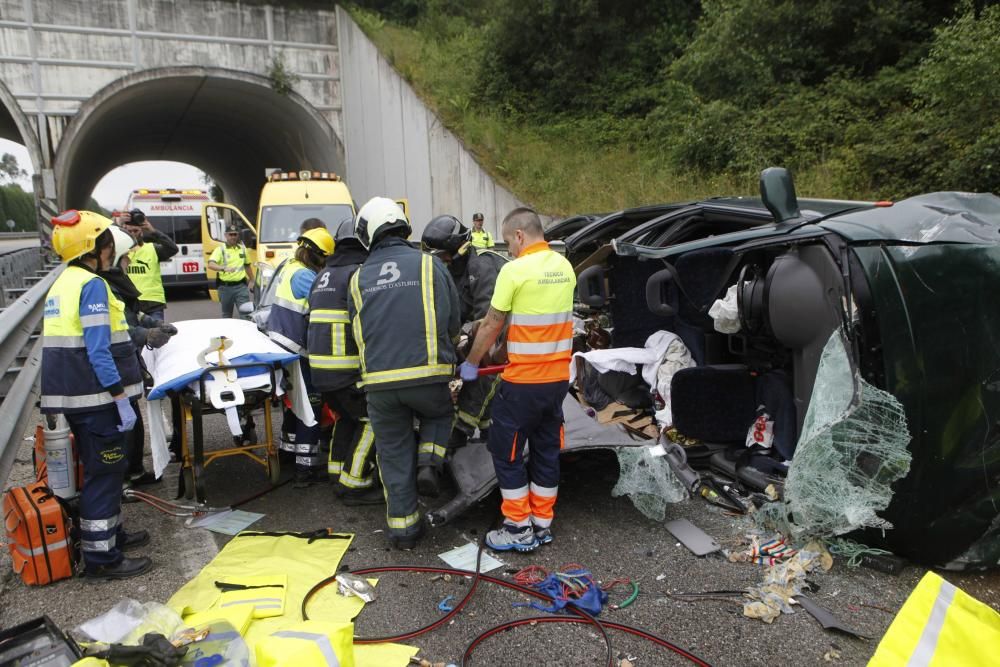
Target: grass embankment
[564,167]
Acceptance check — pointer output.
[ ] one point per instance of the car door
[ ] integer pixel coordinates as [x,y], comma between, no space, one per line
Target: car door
[215,218]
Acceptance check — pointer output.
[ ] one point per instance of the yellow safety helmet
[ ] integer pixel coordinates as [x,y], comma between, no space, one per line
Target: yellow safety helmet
[320,238]
[74,233]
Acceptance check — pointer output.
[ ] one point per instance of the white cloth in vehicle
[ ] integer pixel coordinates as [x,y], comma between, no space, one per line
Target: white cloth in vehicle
[176,364]
[663,349]
[725,313]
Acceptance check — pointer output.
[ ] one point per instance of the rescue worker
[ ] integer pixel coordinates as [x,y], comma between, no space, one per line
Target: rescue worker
[536,291]
[405,313]
[235,276]
[152,247]
[474,271]
[90,373]
[336,371]
[287,325]
[144,331]
[480,237]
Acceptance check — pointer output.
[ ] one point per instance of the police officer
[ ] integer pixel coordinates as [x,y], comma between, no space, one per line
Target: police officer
[287,325]
[336,370]
[152,247]
[405,313]
[536,292]
[480,237]
[234,276]
[144,331]
[89,373]
[474,271]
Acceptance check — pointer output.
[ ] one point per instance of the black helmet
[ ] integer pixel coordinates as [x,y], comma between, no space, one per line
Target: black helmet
[345,233]
[445,233]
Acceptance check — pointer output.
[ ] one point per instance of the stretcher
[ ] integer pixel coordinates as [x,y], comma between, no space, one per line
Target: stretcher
[220,366]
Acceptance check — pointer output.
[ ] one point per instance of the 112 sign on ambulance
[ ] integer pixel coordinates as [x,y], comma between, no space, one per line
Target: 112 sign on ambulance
[177,213]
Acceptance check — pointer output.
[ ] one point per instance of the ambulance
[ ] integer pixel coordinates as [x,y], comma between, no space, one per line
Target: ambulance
[287,199]
[176,213]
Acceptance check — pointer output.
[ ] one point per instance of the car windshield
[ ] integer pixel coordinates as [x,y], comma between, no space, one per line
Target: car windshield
[281,223]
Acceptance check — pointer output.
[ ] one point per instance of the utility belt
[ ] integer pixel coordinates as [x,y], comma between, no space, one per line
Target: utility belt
[219,282]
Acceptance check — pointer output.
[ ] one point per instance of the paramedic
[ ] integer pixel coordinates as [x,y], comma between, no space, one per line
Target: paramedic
[480,237]
[144,331]
[287,325]
[336,371]
[234,273]
[536,291]
[474,271]
[152,247]
[405,313]
[89,373]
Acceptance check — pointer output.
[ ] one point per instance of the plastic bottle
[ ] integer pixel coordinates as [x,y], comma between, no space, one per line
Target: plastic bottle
[59,458]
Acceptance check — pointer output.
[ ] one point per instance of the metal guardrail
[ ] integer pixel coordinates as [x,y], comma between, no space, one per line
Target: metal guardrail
[18,323]
[14,266]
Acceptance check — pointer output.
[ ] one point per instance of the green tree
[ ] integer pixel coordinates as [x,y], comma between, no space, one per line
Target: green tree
[10,169]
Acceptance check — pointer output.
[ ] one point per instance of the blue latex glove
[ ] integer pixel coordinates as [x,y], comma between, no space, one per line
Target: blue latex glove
[125,413]
[468,372]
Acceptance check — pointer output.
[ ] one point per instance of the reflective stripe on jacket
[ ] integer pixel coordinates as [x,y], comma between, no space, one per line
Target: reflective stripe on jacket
[537,290]
[144,270]
[286,325]
[224,256]
[69,381]
[405,313]
[333,354]
[482,239]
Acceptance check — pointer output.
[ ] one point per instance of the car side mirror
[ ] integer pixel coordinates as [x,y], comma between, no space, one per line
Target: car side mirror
[592,288]
[658,292]
[249,238]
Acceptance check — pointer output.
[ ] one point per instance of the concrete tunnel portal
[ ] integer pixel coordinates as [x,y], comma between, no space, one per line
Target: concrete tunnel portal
[229,124]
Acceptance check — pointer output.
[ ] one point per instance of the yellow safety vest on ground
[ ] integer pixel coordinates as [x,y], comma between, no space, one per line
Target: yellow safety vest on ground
[308,644]
[144,270]
[940,626]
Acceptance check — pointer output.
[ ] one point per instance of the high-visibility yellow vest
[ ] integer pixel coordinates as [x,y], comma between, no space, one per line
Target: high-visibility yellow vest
[144,270]
[537,290]
[308,644]
[287,324]
[482,239]
[940,626]
[69,383]
[230,259]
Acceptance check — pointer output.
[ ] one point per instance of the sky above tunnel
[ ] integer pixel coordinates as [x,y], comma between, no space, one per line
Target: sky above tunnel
[113,189]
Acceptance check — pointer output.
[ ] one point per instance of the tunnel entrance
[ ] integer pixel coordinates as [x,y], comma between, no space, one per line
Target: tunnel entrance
[229,124]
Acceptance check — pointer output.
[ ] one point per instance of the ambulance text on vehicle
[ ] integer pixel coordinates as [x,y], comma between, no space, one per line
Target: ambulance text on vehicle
[176,213]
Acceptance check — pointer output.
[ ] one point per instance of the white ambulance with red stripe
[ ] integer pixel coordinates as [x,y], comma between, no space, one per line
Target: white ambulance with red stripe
[176,213]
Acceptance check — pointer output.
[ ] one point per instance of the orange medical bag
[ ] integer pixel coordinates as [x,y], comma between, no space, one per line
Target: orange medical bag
[38,532]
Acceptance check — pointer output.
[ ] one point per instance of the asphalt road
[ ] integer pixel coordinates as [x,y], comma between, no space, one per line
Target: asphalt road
[6,245]
[592,528]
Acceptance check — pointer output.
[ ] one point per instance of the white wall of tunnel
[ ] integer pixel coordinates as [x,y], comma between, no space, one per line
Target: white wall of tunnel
[232,125]
[397,147]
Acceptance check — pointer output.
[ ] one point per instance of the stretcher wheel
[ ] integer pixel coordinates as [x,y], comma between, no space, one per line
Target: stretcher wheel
[273,468]
[188,475]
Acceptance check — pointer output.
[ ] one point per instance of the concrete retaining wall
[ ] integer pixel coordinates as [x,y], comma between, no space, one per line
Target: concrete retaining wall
[396,147]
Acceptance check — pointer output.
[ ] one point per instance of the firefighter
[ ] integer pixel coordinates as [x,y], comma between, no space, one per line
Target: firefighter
[474,271]
[535,291]
[90,373]
[152,247]
[336,371]
[144,331]
[405,313]
[287,326]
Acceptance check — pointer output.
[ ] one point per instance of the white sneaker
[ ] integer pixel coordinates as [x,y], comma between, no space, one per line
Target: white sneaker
[512,538]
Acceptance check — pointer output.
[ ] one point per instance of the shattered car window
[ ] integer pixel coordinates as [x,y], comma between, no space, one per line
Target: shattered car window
[853,447]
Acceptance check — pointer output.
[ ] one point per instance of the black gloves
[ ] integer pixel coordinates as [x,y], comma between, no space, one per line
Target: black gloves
[159,336]
[155,651]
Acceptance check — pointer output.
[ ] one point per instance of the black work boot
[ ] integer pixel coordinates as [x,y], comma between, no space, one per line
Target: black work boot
[408,542]
[123,569]
[428,481]
[359,497]
[139,538]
